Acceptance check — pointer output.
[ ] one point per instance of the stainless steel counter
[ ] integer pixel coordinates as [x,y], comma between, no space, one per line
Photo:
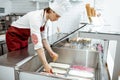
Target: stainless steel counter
[12,58]
[24,64]
[10,61]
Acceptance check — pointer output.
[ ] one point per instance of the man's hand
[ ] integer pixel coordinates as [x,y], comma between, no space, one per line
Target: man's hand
[54,56]
[48,69]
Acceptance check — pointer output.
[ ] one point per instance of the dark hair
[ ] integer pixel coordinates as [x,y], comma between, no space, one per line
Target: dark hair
[47,9]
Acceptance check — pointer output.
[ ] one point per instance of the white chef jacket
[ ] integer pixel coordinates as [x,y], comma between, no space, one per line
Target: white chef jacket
[33,21]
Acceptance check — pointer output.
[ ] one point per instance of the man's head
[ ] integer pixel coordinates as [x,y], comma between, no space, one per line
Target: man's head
[52,15]
[57,9]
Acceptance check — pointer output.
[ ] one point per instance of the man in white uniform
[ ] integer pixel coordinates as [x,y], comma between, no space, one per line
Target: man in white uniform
[34,24]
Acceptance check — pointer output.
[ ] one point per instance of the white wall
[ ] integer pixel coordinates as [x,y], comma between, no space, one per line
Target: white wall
[20,6]
[7,5]
[23,6]
[71,19]
[112,14]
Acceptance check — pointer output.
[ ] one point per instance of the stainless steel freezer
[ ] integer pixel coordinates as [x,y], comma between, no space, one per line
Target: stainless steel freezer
[85,57]
[67,55]
[25,64]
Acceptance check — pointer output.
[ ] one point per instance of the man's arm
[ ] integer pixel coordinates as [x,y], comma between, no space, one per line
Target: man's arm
[50,51]
[42,57]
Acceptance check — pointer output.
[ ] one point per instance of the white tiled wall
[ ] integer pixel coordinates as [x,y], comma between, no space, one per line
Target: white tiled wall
[20,6]
[7,5]
[112,14]
[23,6]
[71,19]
